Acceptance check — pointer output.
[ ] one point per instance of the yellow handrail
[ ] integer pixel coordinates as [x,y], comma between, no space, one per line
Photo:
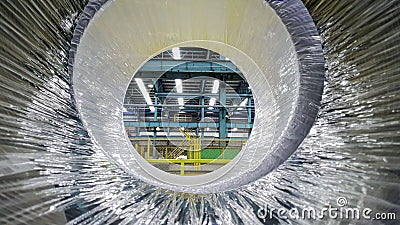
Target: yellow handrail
[178,139]
[182,118]
[189,161]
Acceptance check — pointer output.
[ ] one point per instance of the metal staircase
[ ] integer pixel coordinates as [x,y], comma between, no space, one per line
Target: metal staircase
[178,150]
[190,144]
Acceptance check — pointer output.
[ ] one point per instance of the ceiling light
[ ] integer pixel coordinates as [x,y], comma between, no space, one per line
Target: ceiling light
[158,129]
[145,94]
[178,85]
[210,108]
[215,87]
[150,85]
[234,129]
[212,101]
[180,102]
[176,53]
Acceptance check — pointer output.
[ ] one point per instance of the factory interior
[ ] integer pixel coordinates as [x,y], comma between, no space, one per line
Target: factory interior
[218,112]
[188,109]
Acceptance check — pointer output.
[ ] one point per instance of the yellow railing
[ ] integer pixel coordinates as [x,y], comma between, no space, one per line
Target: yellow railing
[195,162]
[178,150]
[182,118]
[190,143]
[178,139]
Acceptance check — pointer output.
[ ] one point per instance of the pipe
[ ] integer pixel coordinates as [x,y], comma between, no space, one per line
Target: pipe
[286,78]
[53,171]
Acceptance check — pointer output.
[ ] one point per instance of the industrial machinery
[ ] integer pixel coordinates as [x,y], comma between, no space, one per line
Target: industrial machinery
[324,78]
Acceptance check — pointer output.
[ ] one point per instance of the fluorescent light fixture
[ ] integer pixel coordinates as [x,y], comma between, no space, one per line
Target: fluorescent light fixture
[212,101]
[150,85]
[145,94]
[179,89]
[214,91]
[215,87]
[178,85]
[176,53]
[234,129]
[180,101]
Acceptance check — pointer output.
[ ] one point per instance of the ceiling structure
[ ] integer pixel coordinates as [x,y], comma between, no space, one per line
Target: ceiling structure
[201,73]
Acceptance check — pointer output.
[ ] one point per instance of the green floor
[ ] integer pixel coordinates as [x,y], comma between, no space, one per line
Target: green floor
[213,153]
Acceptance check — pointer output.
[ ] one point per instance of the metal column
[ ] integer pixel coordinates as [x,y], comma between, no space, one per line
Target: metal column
[202,109]
[249,110]
[154,152]
[156,109]
[222,113]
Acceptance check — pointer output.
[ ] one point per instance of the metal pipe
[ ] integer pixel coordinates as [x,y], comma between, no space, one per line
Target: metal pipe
[283,64]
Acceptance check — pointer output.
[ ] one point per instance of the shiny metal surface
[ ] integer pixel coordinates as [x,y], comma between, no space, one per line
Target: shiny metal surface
[286,77]
[50,165]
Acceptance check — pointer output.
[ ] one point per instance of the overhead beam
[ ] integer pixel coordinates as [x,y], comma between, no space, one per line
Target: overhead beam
[195,95]
[187,75]
[189,66]
[185,124]
[188,106]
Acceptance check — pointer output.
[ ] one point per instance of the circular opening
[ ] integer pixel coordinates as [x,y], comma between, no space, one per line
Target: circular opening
[188,111]
[273,43]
